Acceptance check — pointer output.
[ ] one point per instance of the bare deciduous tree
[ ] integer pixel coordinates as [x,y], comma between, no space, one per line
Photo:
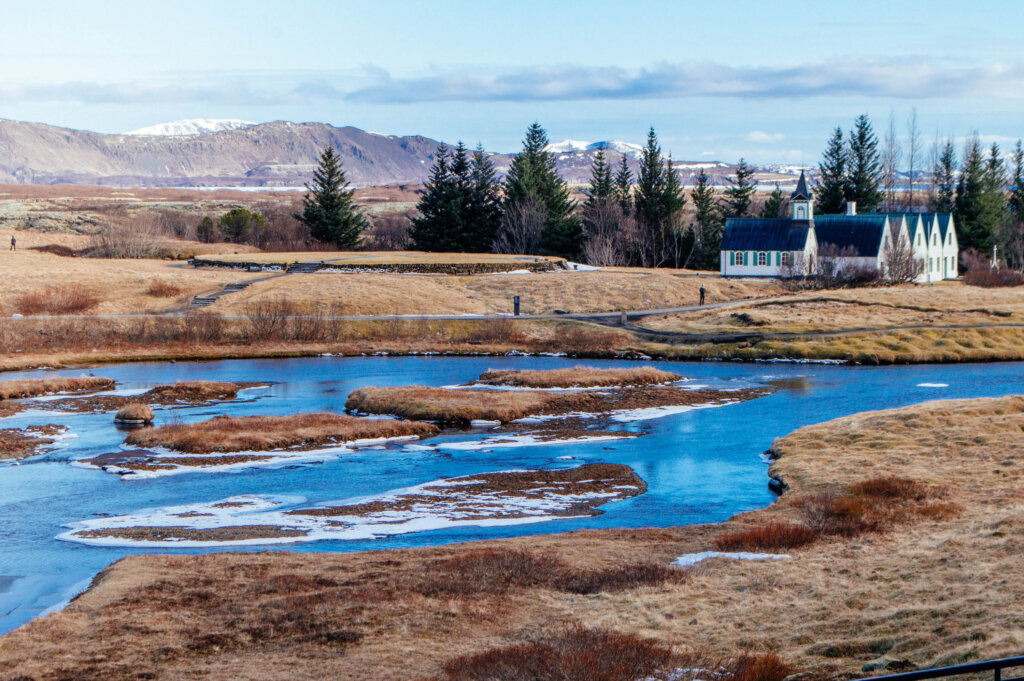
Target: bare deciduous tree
[901,267]
[521,227]
[891,153]
[608,230]
[913,153]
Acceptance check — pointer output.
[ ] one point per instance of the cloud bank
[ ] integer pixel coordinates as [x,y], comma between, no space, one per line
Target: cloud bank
[914,78]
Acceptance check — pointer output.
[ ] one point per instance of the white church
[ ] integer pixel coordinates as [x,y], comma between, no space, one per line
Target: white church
[787,247]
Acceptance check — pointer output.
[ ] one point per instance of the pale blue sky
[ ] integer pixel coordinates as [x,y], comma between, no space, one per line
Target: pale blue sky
[767,80]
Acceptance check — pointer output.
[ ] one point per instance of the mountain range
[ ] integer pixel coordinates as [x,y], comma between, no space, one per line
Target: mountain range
[235,153]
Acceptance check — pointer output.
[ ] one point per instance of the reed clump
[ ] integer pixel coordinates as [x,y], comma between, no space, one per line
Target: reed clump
[34,387]
[135,412]
[578,377]
[264,433]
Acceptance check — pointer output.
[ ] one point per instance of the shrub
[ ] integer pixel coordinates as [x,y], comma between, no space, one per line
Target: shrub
[203,326]
[891,487]
[61,299]
[158,288]
[770,537]
[979,271]
[55,249]
[574,654]
[135,412]
[766,667]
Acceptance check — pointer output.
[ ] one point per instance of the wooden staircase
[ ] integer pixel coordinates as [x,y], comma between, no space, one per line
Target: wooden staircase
[304,267]
[199,302]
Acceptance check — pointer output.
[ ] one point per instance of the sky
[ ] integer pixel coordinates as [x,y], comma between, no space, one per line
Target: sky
[767,81]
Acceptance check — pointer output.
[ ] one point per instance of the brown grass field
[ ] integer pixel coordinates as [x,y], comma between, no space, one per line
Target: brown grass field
[910,549]
[264,433]
[34,387]
[577,377]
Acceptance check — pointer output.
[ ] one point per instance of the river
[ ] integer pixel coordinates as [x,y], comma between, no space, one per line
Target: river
[701,466]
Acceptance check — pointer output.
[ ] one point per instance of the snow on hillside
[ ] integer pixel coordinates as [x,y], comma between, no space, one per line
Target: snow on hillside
[569,146]
[194,126]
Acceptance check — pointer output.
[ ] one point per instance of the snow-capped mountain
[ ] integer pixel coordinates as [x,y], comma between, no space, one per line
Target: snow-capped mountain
[192,126]
[580,146]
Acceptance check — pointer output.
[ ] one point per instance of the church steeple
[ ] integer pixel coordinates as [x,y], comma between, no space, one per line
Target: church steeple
[802,200]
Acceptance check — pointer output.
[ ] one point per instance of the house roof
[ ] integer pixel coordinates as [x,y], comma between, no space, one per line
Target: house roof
[945,220]
[765,234]
[861,232]
[801,193]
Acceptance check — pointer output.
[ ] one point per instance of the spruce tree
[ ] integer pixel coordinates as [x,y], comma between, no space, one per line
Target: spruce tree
[484,203]
[863,179]
[533,177]
[1016,200]
[650,184]
[678,241]
[739,193]
[624,186]
[602,186]
[830,194]
[971,231]
[434,207]
[328,209]
[773,207]
[944,179]
[707,225]
[995,218]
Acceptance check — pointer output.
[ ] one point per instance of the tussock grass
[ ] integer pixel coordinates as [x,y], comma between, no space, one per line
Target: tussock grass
[60,299]
[135,412]
[770,537]
[194,391]
[264,433]
[161,288]
[577,377]
[34,387]
[421,403]
[16,444]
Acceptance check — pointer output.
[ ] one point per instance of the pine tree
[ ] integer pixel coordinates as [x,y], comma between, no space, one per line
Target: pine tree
[971,231]
[484,218]
[995,218]
[678,241]
[773,207]
[533,177]
[739,193]
[328,209]
[650,184]
[863,180]
[241,225]
[434,207]
[1016,200]
[624,186]
[707,225]
[602,186]
[944,179]
[831,190]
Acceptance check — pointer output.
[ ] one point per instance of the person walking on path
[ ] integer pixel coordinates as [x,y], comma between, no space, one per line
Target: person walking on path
[702,292]
[14,243]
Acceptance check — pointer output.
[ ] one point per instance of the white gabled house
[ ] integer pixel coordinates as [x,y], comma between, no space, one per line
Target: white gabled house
[804,243]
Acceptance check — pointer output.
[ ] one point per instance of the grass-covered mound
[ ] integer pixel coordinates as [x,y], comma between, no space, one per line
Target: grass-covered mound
[36,387]
[265,433]
[577,377]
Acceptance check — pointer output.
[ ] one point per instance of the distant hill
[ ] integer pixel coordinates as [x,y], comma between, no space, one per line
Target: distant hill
[234,153]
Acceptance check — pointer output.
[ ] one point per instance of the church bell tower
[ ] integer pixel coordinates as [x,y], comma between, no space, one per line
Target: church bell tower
[802,201]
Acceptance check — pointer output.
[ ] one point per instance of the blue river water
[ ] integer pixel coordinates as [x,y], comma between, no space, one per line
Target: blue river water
[700,466]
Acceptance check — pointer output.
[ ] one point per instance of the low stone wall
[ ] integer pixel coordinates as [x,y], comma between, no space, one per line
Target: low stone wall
[462,269]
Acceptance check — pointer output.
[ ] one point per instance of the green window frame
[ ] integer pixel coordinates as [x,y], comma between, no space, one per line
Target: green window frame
[778,258]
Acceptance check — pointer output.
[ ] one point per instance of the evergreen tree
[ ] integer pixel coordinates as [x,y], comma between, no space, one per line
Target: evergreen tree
[678,240]
[624,186]
[484,204]
[328,209]
[533,177]
[434,207]
[995,218]
[862,182]
[602,186]
[776,202]
[240,225]
[739,193]
[1016,200]
[944,179]
[205,229]
[830,194]
[707,225]
[650,184]
[969,205]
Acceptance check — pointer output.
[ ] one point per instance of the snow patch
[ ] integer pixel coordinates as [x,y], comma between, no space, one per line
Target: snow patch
[933,385]
[694,558]
[192,126]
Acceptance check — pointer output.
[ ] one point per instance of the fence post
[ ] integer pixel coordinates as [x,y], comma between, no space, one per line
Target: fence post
[515,305]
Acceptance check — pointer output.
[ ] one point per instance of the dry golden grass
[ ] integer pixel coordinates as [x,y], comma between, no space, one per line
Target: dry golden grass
[930,590]
[460,406]
[34,387]
[356,258]
[17,444]
[578,377]
[193,391]
[135,413]
[264,433]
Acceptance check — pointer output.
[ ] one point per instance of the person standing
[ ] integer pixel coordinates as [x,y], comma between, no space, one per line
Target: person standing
[702,292]
[14,243]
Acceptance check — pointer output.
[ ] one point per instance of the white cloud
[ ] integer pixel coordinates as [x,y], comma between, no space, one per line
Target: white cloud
[759,137]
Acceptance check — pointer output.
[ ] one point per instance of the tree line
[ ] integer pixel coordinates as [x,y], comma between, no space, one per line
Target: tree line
[982,188]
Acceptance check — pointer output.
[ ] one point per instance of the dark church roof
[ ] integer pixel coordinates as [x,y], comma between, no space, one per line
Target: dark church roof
[861,232]
[801,193]
[764,234]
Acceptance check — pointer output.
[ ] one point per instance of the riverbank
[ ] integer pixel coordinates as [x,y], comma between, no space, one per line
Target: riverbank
[915,585]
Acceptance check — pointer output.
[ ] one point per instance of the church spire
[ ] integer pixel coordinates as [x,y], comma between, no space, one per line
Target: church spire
[802,200]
